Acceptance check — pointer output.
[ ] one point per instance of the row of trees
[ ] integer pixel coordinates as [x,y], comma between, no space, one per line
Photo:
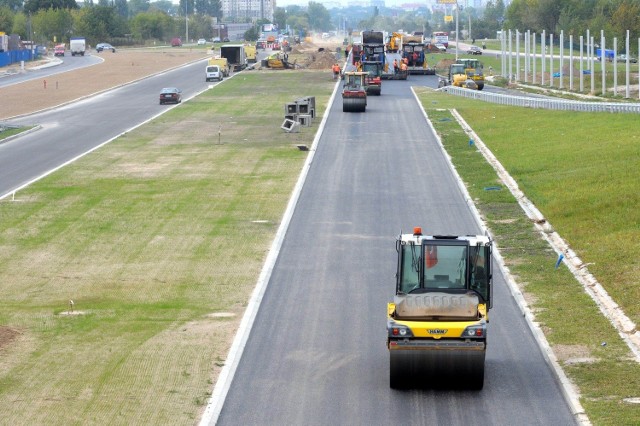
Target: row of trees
[100,23]
[137,21]
[614,17]
[141,20]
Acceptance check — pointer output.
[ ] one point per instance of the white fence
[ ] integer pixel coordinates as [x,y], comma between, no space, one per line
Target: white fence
[543,103]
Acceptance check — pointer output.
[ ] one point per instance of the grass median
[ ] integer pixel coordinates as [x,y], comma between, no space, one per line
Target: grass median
[580,170]
[158,239]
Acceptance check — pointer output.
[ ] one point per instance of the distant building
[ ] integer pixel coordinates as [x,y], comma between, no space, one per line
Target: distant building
[240,10]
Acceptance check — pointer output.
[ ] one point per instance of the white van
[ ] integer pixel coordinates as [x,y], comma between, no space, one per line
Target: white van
[213,72]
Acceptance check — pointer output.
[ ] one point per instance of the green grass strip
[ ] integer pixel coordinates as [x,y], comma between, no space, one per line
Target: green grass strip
[157,237]
[580,170]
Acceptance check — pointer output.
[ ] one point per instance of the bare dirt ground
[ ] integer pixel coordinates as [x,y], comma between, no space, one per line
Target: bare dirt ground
[118,68]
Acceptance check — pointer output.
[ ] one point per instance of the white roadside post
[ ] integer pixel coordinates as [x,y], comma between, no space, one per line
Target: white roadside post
[533,57]
[571,67]
[550,60]
[615,66]
[510,57]
[592,65]
[561,85]
[581,67]
[526,56]
[603,62]
[543,47]
[517,55]
[626,49]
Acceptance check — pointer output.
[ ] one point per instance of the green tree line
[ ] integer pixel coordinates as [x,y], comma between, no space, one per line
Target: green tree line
[116,21]
[137,21]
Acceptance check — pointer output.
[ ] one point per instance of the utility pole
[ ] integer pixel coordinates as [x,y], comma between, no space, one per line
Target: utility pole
[457,34]
[186,20]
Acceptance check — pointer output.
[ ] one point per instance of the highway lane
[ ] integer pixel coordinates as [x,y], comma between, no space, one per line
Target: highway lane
[63,64]
[316,354]
[74,129]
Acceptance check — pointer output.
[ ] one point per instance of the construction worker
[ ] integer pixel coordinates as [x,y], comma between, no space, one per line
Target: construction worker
[395,66]
[403,66]
[336,70]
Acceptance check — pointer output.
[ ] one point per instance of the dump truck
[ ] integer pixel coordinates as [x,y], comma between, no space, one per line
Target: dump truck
[373,46]
[437,322]
[354,92]
[250,52]
[235,55]
[414,50]
[222,63]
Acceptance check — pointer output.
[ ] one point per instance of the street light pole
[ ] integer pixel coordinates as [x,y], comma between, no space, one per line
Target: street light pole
[457,34]
[186,20]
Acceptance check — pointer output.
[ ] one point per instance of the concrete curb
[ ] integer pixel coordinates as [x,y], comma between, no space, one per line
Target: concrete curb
[223,384]
[570,393]
[104,90]
[626,328]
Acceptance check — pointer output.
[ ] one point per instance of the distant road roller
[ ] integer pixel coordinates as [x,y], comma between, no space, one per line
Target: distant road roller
[437,322]
[354,92]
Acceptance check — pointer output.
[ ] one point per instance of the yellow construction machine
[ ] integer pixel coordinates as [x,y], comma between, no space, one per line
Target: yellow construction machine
[437,322]
[459,77]
[278,61]
[395,42]
[474,69]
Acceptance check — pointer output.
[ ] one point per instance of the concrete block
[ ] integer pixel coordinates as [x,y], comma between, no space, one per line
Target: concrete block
[290,126]
[304,120]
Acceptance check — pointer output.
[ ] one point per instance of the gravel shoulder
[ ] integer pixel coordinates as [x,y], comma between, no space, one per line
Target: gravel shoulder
[118,68]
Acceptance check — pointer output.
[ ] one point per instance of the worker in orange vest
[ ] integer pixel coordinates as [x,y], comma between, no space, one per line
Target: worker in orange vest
[336,70]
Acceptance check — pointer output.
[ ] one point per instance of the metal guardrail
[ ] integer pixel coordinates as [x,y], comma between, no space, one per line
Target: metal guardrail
[544,103]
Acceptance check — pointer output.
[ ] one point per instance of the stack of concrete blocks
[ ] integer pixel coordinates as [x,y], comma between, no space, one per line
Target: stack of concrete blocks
[301,111]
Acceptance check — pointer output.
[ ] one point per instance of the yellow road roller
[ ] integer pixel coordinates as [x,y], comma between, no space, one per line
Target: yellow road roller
[437,322]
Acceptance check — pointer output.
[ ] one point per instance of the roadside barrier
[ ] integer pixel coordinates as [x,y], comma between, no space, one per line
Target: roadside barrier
[544,102]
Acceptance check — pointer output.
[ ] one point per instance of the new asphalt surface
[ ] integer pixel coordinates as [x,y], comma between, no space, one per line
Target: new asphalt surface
[316,354]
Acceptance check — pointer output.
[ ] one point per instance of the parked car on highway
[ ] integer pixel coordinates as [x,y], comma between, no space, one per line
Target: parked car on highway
[170,95]
[176,42]
[474,50]
[201,41]
[441,47]
[105,46]
[623,58]
[225,40]
[213,72]
[216,40]
[59,50]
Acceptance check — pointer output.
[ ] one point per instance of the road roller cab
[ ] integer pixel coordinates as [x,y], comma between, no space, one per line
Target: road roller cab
[354,92]
[437,322]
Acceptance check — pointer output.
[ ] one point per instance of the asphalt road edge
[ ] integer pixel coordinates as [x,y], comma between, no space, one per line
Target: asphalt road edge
[117,86]
[223,384]
[568,389]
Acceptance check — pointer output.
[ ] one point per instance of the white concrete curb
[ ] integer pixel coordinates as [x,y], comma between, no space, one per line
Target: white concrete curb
[571,395]
[216,402]
[610,309]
